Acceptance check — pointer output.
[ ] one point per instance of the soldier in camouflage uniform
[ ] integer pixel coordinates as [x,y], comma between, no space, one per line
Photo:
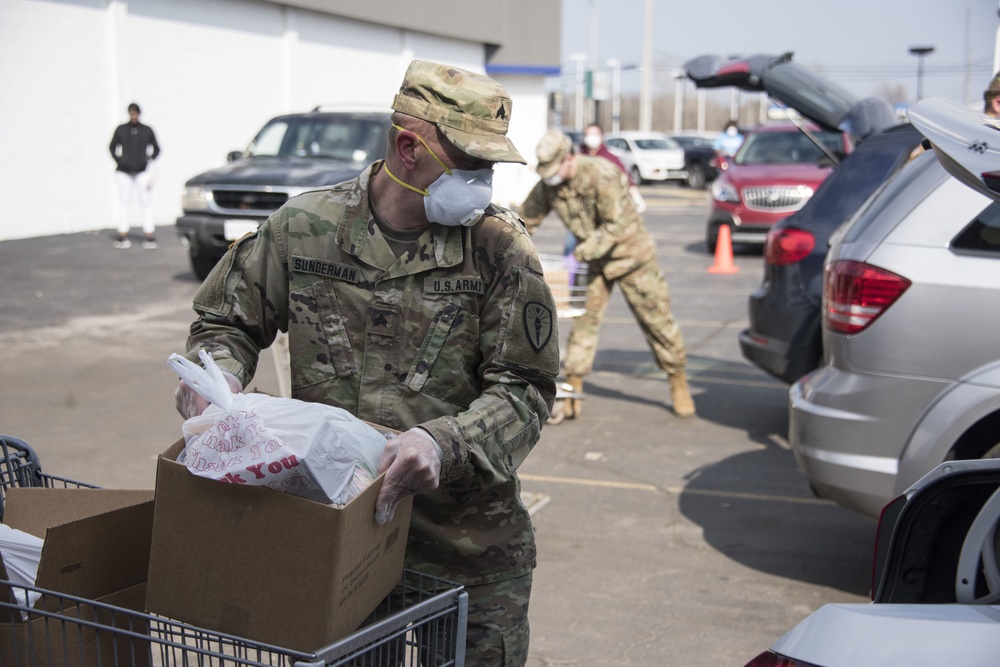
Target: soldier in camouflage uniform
[412,302]
[591,197]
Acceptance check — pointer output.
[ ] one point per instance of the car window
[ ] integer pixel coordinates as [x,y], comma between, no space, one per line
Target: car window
[268,140]
[982,235]
[345,137]
[694,142]
[910,185]
[791,147]
[656,144]
[857,177]
[617,143]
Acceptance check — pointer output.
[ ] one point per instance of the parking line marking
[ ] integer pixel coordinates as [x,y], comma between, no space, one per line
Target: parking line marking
[633,486]
[590,482]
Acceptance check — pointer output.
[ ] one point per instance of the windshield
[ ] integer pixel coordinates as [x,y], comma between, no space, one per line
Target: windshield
[347,137]
[792,147]
[694,142]
[663,144]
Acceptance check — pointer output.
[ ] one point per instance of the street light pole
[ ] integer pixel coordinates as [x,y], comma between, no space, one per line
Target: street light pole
[616,94]
[679,76]
[579,59]
[920,52]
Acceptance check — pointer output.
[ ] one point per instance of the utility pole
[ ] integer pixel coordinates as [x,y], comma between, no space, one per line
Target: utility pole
[646,92]
[679,77]
[701,109]
[616,94]
[996,46]
[592,103]
[579,59]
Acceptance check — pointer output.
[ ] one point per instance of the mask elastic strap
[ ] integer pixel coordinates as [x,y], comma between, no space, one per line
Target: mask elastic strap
[425,193]
[446,168]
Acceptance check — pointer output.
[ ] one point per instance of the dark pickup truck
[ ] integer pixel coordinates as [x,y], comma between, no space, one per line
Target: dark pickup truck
[291,154]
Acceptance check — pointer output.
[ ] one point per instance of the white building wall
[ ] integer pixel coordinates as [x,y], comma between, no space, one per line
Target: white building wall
[528,122]
[207,74]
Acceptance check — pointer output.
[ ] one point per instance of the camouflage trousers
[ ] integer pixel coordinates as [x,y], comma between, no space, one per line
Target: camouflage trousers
[648,296]
[496,634]
[498,623]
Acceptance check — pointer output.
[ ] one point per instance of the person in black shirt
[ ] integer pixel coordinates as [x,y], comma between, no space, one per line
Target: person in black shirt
[133,146]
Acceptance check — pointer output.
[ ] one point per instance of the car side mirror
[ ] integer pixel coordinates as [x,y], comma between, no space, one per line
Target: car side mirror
[233,156]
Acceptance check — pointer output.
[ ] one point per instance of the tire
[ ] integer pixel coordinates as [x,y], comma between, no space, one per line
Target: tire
[202,265]
[636,175]
[696,177]
[712,238]
[992,453]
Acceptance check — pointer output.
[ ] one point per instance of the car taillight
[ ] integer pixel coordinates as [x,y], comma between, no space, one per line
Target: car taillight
[771,659]
[855,294]
[787,246]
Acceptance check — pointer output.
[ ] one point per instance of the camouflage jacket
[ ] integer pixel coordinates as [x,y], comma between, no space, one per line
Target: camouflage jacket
[596,207]
[458,335]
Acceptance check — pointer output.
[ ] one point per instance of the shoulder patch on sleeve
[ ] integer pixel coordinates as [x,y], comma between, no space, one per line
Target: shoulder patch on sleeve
[530,336]
[539,323]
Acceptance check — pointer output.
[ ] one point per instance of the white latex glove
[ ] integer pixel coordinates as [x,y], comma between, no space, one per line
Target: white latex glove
[640,203]
[412,464]
[191,404]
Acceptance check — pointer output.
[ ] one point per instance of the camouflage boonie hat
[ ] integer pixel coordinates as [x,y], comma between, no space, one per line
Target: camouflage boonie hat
[551,151]
[993,89]
[471,110]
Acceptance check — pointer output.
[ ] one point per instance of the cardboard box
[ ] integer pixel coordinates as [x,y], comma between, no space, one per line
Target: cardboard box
[96,546]
[268,566]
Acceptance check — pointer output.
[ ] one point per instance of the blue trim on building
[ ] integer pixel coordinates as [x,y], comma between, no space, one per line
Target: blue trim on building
[534,70]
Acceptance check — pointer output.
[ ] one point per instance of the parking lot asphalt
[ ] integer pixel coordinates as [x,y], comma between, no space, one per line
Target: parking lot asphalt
[662,541]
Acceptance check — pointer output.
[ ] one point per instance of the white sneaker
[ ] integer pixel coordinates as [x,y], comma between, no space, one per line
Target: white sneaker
[123,243]
[150,244]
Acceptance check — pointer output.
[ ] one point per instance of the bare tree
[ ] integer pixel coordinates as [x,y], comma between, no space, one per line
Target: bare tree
[892,93]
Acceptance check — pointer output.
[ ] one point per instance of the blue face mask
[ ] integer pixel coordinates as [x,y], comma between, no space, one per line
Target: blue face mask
[458,197]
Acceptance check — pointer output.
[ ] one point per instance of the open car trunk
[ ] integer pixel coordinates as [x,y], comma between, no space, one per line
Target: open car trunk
[797,87]
[938,544]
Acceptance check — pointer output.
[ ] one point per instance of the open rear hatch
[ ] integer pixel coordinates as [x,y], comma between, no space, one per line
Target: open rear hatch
[966,141]
[813,96]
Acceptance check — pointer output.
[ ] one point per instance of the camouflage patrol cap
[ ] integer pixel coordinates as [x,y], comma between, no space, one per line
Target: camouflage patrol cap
[992,90]
[551,151]
[471,110]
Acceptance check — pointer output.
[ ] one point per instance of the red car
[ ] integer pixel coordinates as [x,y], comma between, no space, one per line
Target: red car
[774,173]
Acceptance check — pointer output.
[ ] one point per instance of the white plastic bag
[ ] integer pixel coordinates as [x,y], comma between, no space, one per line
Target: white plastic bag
[21,554]
[308,449]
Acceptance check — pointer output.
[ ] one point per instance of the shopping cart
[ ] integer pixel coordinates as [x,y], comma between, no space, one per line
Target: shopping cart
[567,280]
[422,622]
[20,467]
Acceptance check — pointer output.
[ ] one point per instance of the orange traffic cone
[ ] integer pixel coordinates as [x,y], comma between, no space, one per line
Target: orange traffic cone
[724,253]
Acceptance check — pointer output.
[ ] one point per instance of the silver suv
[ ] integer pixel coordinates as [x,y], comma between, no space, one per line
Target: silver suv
[910,313]
[290,155]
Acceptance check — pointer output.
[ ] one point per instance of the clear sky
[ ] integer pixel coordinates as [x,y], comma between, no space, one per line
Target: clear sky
[861,44]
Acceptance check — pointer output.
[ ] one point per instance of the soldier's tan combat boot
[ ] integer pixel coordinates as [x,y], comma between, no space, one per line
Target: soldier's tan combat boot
[681,395]
[574,404]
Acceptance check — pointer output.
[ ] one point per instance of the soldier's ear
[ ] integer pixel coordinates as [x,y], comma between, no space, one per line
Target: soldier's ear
[407,145]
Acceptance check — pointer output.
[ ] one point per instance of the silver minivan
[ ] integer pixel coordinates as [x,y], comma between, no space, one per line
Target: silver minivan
[911,316]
